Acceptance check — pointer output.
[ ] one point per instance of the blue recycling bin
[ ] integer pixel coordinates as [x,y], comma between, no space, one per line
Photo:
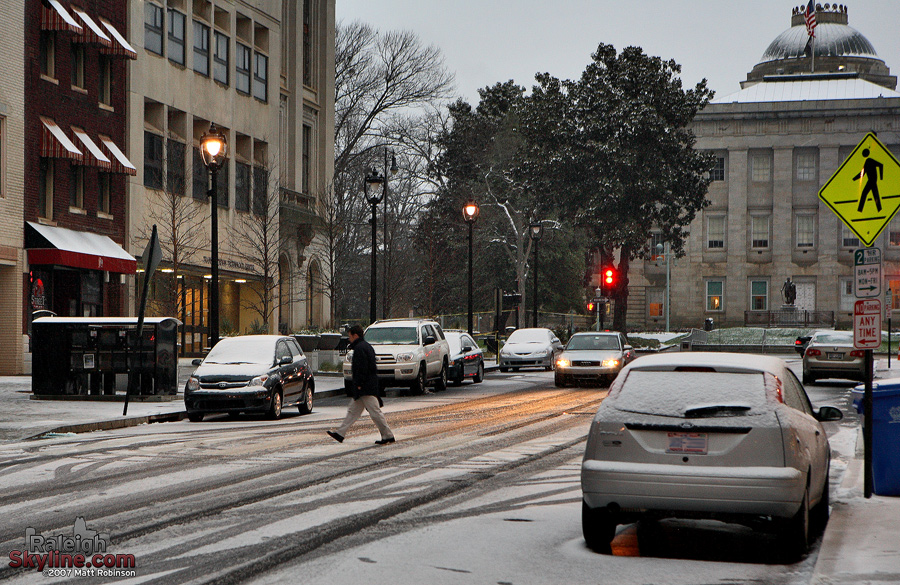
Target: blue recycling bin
[885,434]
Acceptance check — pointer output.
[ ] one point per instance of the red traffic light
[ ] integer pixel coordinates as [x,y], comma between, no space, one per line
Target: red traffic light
[591,306]
[609,276]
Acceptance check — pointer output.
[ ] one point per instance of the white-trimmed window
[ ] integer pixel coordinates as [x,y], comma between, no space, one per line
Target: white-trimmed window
[76,187]
[48,54]
[847,299]
[760,168]
[759,295]
[45,189]
[759,232]
[105,80]
[715,295]
[103,195]
[715,232]
[77,65]
[806,231]
[153,28]
[656,299]
[806,166]
[848,238]
[718,171]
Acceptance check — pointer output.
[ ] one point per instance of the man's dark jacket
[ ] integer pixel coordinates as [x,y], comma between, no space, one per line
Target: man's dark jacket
[363,370]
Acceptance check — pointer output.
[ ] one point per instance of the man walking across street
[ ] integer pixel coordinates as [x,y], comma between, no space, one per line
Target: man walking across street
[363,389]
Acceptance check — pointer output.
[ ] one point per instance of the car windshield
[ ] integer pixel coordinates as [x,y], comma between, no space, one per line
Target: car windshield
[601,342]
[242,350]
[835,337]
[692,394]
[392,336]
[528,336]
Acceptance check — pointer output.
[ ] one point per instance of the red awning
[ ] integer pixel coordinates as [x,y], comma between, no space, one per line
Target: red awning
[120,47]
[120,162]
[55,17]
[64,247]
[55,143]
[91,32]
[93,156]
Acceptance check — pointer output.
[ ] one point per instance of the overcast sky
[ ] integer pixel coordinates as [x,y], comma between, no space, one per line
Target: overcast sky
[488,41]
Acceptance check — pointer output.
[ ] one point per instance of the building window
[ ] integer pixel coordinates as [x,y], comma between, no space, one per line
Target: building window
[760,168]
[176,36]
[307,43]
[806,231]
[261,77]
[175,167]
[153,160]
[45,189]
[848,238]
[894,234]
[201,48]
[77,65]
[307,147]
[222,184]
[220,58]
[806,166]
[848,299]
[759,295]
[103,197]
[655,303]
[242,68]
[759,231]
[105,89]
[153,28]
[714,300]
[260,190]
[715,239]
[2,157]
[242,187]
[48,54]
[200,176]
[76,187]
[718,171]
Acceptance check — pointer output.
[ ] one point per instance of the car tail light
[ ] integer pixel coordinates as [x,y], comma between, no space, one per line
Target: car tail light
[857,353]
[813,351]
[798,342]
[774,388]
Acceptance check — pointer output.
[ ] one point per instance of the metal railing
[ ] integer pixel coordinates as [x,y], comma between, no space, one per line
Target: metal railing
[789,318]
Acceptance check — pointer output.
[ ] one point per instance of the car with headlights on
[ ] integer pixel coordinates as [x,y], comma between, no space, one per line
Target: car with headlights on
[830,354]
[532,347]
[593,356]
[702,435]
[466,358]
[252,374]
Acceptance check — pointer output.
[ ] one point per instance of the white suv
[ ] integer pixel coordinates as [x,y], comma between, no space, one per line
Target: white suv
[408,352]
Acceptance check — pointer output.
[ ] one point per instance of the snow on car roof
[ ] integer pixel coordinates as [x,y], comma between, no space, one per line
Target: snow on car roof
[721,362]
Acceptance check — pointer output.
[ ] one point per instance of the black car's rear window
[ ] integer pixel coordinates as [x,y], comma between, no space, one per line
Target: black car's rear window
[700,394]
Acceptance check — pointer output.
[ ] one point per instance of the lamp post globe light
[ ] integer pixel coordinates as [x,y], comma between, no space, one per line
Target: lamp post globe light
[536,230]
[374,192]
[470,214]
[213,149]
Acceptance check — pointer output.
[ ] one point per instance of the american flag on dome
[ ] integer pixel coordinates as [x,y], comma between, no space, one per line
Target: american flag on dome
[811,19]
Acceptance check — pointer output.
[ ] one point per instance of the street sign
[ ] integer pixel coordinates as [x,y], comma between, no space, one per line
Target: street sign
[865,191]
[867,273]
[867,324]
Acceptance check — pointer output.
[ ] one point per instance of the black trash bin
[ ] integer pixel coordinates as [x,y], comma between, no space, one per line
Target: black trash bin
[708,324]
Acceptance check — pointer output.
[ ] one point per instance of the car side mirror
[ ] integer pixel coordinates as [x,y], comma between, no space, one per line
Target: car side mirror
[285,360]
[196,362]
[829,414]
[430,340]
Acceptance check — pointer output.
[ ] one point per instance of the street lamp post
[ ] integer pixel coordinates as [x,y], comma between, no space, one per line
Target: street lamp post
[470,214]
[666,251]
[376,182]
[537,230]
[388,172]
[213,147]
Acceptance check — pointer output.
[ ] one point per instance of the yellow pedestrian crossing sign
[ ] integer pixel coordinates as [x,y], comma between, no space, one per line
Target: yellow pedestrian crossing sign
[865,191]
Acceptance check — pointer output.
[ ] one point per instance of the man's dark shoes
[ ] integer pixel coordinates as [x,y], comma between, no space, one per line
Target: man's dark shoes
[384,441]
[336,436]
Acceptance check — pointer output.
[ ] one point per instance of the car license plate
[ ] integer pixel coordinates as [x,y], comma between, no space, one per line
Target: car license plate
[688,443]
[834,356]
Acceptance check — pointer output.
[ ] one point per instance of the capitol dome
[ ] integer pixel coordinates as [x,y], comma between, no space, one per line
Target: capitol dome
[838,48]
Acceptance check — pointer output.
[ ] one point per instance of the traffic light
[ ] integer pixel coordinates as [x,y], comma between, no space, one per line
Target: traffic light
[607,280]
[591,305]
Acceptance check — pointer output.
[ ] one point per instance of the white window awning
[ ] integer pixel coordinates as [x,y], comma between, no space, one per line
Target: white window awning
[64,247]
[55,143]
[92,33]
[120,162]
[55,17]
[93,156]
[120,48]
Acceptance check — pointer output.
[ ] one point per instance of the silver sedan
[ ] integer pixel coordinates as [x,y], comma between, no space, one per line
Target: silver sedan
[593,356]
[830,354]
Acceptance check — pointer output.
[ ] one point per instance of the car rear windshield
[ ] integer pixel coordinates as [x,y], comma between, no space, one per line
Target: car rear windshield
[392,336]
[692,394]
[600,342]
[838,338]
[455,342]
[239,350]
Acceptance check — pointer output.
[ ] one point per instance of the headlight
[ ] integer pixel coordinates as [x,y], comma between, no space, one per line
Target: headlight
[193,384]
[404,357]
[505,352]
[563,363]
[610,363]
[349,357]
[259,380]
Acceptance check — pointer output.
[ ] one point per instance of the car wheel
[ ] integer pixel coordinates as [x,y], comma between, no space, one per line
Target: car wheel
[306,405]
[808,378]
[504,370]
[479,374]
[195,416]
[275,410]
[598,527]
[234,415]
[458,380]
[441,383]
[796,533]
[515,369]
[559,380]
[819,514]
[418,385]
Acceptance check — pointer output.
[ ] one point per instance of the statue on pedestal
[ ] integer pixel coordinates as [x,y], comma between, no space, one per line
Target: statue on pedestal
[789,290]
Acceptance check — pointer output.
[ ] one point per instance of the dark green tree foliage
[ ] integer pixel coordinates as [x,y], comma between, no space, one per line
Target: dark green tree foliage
[615,149]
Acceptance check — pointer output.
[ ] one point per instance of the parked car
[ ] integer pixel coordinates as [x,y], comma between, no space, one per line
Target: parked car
[593,356]
[466,358]
[801,342]
[530,347]
[830,354]
[731,437]
[408,352]
[250,374]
